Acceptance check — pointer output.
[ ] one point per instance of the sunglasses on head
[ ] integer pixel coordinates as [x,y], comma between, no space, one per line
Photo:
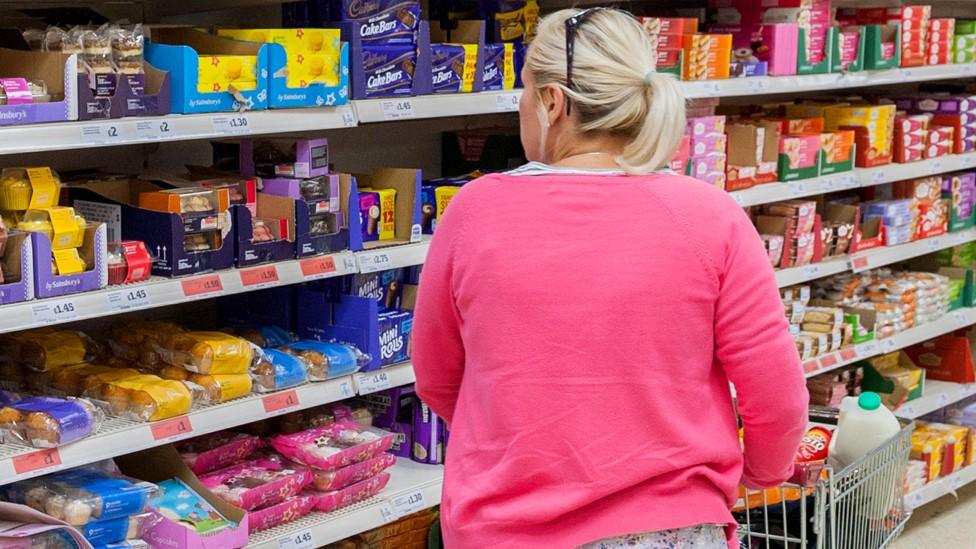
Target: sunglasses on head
[573,23]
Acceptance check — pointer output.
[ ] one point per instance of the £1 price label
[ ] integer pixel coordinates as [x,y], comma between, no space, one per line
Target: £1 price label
[373,382]
[203,285]
[35,461]
[260,276]
[298,540]
[171,429]
[54,312]
[280,401]
[409,503]
[132,298]
[507,102]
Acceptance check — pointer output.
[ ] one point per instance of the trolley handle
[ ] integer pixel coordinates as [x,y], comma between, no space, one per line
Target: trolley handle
[807,474]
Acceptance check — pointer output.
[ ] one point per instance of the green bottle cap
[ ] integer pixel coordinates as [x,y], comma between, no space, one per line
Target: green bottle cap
[869,401]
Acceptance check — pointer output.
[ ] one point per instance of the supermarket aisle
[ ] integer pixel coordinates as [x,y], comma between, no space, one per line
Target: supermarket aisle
[943,524]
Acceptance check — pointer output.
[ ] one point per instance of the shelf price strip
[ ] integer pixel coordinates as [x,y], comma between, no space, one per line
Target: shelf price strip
[35,461]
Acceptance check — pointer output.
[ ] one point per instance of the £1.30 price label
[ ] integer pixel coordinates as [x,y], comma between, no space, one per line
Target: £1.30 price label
[233,124]
[409,503]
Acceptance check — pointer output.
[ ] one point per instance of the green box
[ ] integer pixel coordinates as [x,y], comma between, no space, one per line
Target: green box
[854,66]
[676,68]
[885,386]
[964,48]
[874,36]
[826,168]
[823,67]
[794,174]
[965,26]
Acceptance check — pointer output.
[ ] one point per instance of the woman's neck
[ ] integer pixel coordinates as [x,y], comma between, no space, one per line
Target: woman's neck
[591,154]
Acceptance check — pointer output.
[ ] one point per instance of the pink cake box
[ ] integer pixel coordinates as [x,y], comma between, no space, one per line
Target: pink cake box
[256,483]
[781,41]
[326,502]
[291,509]
[711,163]
[715,179]
[701,126]
[708,144]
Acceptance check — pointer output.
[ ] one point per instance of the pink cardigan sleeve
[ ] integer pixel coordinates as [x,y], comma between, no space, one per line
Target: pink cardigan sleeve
[437,349]
[754,346]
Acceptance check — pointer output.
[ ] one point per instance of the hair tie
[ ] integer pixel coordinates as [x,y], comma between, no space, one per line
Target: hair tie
[648,76]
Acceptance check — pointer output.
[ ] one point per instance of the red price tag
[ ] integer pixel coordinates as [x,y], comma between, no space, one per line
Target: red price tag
[178,426]
[318,266]
[848,355]
[860,263]
[267,274]
[202,285]
[828,361]
[33,461]
[280,401]
[811,366]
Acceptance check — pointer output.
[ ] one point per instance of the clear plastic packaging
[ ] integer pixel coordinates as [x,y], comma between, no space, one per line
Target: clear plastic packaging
[58,538]
[83,495]
[273,370]
[37,88]
[44,349]
[219,388]
[70,234]
[145,397]
[321,416]
[264,336]
[211,452]
[118,530]
[327,481]
[137,341]
[326,360]
[256,483]
[332,446]
[327,502]
[16,190]
[207,352]
[127,544]
[48,422]
[291,509]
[128,44]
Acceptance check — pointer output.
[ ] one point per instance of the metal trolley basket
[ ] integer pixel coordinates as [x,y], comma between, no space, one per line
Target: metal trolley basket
[859,507]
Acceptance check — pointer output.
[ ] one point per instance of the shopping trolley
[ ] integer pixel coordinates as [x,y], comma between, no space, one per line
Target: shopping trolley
[859,507]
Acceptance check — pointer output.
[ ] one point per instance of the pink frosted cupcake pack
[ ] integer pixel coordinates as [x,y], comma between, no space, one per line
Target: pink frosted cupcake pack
[291,509]
[256,483]
[337,479]
[326,502]
[212,452]
[332,446]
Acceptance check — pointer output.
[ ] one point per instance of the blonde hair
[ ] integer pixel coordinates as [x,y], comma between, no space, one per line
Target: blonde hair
[615,89]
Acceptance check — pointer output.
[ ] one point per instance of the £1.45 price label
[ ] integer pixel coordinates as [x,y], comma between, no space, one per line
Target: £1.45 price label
[395,110]
[203,285]
[131,298]
[298,540]
[35,461]
[54,312]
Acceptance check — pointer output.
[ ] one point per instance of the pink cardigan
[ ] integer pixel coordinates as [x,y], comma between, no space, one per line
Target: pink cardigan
[579,332]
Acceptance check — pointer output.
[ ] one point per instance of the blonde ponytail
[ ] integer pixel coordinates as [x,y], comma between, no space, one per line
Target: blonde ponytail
[614,90]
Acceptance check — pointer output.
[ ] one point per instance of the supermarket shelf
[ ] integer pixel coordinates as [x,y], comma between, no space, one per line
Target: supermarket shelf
[948,323]
[160,292]
[393,257]
[176,127]
[942,487]
[436,106]
[871,259]
[861,177]
[120,436]
[413,487]
[937,395]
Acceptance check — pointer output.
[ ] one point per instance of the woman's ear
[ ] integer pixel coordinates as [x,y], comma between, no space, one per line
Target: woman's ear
[554,101]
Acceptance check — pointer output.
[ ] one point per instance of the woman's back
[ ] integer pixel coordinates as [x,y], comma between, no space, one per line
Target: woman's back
[579,331]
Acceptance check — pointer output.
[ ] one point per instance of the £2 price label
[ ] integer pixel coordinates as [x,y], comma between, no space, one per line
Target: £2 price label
[203,285]
[178,427]
[260,276]
[298,540]
[280,401]
[35,461]
[155,129]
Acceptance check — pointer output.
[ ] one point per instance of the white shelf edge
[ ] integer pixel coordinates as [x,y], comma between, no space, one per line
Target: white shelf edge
[948,323]
[406,478]
[392,109]
[124,437]
[940,487]
[854,179]
[937,395]
[392,257]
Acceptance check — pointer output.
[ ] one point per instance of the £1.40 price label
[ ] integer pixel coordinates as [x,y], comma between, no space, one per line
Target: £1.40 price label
[203,285]
[373,382]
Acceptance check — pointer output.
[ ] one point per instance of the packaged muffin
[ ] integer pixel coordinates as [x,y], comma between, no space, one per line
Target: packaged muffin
[273,370]
[19,185]
[326,502]
[330,447]
[62,226]
[70,380]
[137,341]
[93,384]
[214,451]
[48,422]
[80,496]
[337,479]
[256,483]
[44,349]
[264,336]
[207,352]
[291,509]
[3,242]
[147,398]
[219,388]
[117,530]
[326,360]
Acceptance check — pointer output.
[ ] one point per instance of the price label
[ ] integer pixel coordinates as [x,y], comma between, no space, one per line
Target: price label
[349,262]
[133,298]
[348,118]
[204,285]
[102,133]
[260,277]
[961,238]
[280,401]
[868,349]
[850,181]
[955,481]
[906,411]
[409,503]
[879,176]
[55,312]
[178,427]
[35,461]
[317,267]
[811,272]
[396,110]
[738,197]
[942,400]
[936,165]
[373,382]
[860,263]
[757,85]
[298,540]
[232,124]
[387,513]
[914,500]
[811,366]
[796,188]
[960,320]
[888,345]
[155,129]
[345,389]
[372,263]
[712,89]
[828,361]
[934,244]
[507,102]
[827,184]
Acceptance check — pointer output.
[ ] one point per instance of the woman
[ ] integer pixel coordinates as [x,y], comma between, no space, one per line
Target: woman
[580,318]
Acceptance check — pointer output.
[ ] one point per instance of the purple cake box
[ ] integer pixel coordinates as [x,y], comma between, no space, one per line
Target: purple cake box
[94,251]
[111,202]
[252,253]
[426,435]
[945,105]
[385,69]
[387,21]
[292,189]
[135,95]
[393,410]
[394,332]
[385,287]
[19,258]
[57,70]
[311,159]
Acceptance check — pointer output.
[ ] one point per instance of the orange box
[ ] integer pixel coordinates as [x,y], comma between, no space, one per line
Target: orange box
[707,56]
[189,200]
[837,146]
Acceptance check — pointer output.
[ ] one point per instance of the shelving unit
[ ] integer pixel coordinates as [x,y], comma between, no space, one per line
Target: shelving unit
[937,395]
[941,487]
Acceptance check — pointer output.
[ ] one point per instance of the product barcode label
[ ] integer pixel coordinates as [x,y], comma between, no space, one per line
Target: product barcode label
[348,118]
